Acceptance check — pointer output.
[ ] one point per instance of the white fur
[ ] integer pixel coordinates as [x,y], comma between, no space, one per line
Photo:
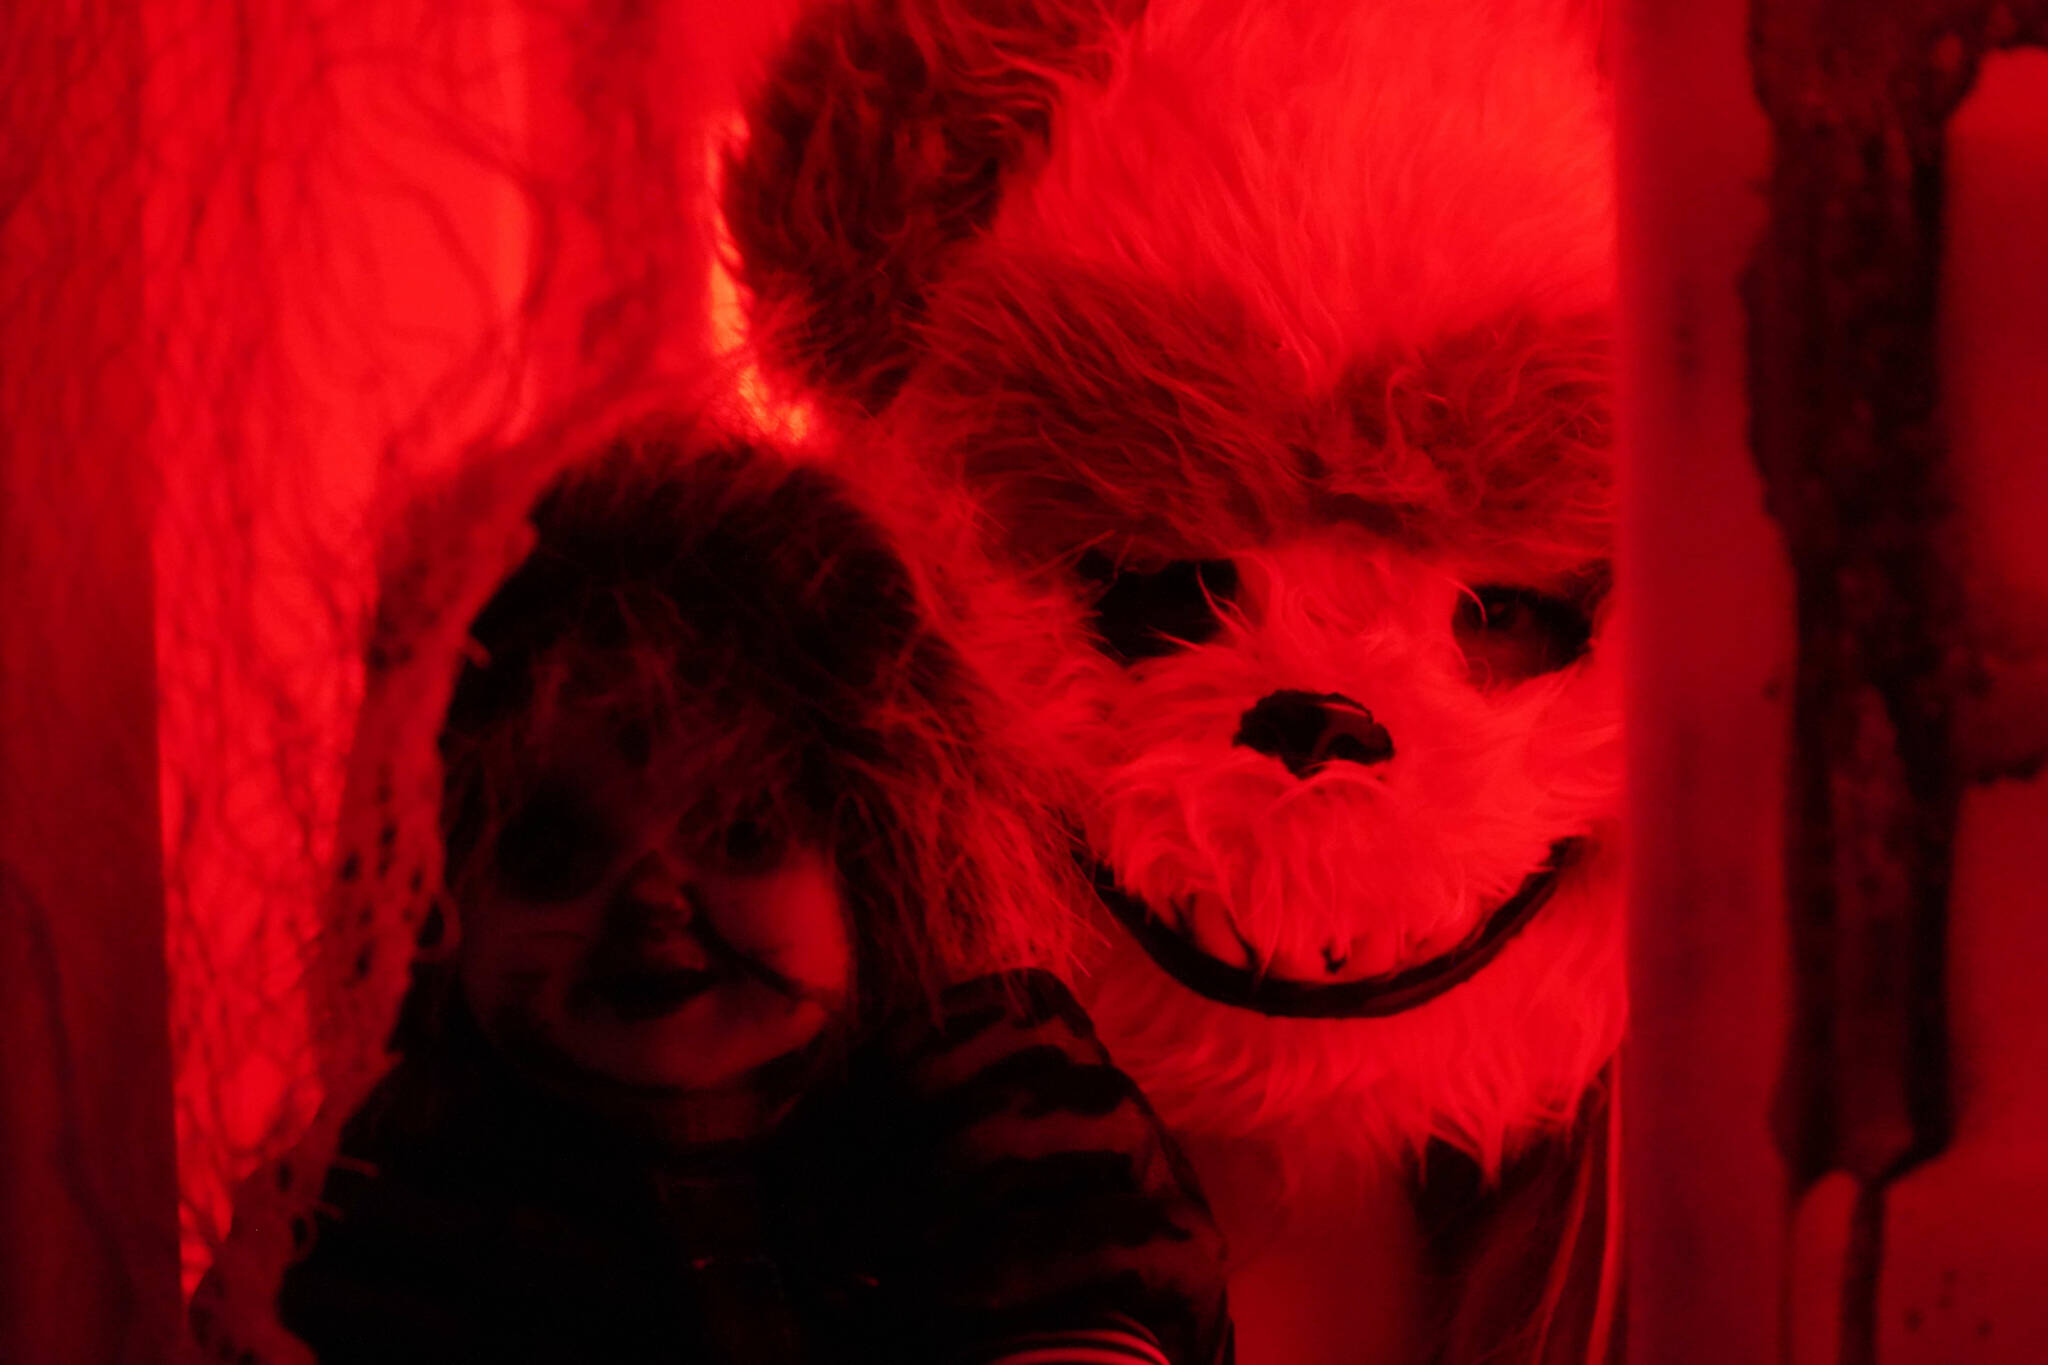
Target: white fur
[1394,863]
[1318,287]
[1363,174]
[1364,183]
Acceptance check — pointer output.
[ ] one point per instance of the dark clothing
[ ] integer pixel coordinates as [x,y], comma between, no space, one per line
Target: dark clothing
[960,1181]
[1525,1257]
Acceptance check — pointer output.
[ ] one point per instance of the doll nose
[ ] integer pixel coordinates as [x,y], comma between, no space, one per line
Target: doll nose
[1306,730]
[659,896]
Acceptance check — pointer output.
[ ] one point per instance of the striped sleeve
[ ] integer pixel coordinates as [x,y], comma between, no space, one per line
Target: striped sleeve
[1052,1199]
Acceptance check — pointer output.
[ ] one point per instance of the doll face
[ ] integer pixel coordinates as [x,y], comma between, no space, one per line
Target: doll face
[611,934]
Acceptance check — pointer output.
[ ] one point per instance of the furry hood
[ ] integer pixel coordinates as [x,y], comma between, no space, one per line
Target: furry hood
[1303,308]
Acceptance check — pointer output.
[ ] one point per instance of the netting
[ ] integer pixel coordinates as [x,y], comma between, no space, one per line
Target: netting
[396,259]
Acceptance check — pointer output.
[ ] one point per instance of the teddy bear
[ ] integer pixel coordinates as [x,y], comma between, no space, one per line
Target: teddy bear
[1245,368]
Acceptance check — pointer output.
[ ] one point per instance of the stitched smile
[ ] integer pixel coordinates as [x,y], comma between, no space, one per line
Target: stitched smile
[1373,997]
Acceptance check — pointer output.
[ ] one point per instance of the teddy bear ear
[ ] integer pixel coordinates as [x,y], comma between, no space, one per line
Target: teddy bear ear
[881,140]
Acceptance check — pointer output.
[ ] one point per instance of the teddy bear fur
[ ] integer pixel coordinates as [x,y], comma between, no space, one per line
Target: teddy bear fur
[1320,292]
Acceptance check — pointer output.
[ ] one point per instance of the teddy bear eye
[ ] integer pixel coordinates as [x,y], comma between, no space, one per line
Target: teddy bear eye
[554,848]
[1511,634]
[1144,614]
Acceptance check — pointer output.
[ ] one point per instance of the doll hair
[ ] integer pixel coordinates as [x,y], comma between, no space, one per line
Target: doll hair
[741,619]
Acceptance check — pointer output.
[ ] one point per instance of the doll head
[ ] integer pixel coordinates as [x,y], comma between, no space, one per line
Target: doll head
[715,793]
[628,922]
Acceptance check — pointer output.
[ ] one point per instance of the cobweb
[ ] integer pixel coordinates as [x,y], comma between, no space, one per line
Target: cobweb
[398,258]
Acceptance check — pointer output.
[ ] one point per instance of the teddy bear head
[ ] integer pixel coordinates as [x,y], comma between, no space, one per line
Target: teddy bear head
[1249,363]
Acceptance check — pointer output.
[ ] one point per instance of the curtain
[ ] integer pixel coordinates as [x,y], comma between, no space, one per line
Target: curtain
[298,303]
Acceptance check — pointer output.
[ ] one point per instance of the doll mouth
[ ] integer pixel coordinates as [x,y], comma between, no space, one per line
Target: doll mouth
[638,996]
[1373,997]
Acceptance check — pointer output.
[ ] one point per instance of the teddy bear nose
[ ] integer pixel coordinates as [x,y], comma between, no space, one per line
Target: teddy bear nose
[1306,730]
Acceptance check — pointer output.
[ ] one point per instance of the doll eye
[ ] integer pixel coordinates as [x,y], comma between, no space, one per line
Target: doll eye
[751,843]
[554,848]
[1147,614]
[1511,634]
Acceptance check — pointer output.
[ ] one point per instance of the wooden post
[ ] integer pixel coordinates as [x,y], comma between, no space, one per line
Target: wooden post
[1709,632]
[1964,1254]
[1883,1226]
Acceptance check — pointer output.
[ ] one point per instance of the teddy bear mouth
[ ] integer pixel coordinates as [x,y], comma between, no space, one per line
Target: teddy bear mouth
[1372,997]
